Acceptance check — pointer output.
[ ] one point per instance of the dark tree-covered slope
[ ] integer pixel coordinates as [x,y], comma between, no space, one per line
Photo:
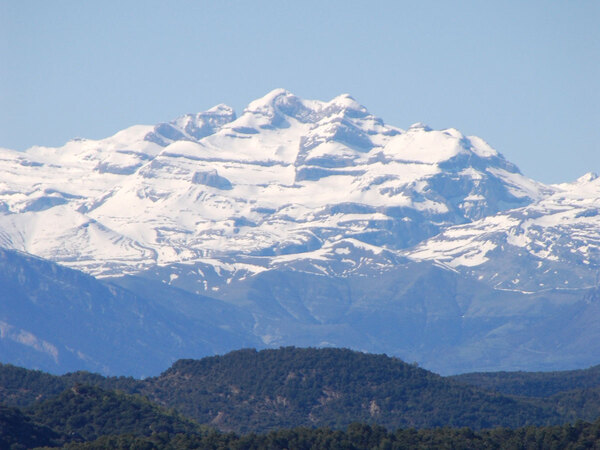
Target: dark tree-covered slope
[19,431]
[362,437]
[87,412]
[254,391]
[23,387]
[533,384]
[249,390]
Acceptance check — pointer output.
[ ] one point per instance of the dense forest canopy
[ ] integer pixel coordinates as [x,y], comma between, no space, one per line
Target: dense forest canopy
[299,398]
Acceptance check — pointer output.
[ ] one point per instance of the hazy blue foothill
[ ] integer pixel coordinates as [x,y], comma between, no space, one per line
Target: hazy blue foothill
[61,320]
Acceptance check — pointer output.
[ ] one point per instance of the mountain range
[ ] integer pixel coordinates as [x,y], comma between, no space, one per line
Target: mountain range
[298,222]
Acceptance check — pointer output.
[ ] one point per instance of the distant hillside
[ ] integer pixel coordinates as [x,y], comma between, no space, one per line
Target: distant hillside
[19,431]
[126,430]
[582,435]
[533,384]
[24,387]
[59,319]
[86,413]
[256,391]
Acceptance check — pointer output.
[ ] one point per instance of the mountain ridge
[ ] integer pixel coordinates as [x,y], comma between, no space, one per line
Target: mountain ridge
[311,222]
[331,150]
[256,391]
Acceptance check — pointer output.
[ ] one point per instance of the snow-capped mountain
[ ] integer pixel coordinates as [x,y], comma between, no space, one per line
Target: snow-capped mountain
[553,243]
[320,224]
[286,177]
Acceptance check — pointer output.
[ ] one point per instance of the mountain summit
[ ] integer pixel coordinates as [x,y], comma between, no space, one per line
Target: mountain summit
[286,177]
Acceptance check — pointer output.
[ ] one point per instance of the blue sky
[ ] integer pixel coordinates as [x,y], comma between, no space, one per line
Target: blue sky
[525,76]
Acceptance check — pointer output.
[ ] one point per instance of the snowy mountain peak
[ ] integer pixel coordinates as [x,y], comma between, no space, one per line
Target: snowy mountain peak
[423,144]
[419,126]
[270,100]
[272,110]
[221,109]
[192,127]
[584,186]
[587,178]
[346,105]
[281,103]
[285,178]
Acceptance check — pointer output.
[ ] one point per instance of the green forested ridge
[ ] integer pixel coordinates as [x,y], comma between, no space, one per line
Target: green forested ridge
[533,384]
[83,413]
[357,436]
[260,391]
[22,387]
[88,412]
[19,431]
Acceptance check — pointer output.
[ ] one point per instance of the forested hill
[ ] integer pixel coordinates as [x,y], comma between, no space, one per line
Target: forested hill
[249,390]
[533,384]
[85,413]
[252,390]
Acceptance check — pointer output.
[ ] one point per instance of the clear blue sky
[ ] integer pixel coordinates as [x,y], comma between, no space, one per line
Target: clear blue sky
[524,75]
